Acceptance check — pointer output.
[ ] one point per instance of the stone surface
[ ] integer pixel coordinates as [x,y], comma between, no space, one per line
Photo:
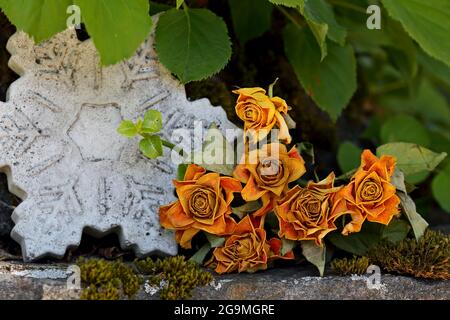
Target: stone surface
[31,281]
[63,157]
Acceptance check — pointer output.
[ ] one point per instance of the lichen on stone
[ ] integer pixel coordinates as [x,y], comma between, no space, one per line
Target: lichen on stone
[429,257]
[355,265]
[177,276]
[107,280]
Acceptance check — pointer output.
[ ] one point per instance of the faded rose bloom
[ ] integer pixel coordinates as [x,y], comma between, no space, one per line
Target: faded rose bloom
[261,113]
[308,213]
[204,204]
[246,250]
[267,173]
[370,194]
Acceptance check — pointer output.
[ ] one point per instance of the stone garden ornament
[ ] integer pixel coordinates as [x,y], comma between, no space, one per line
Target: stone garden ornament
[62,155]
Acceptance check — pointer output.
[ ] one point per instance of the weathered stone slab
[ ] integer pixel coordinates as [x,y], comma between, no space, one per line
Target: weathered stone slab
[63,157]
[31,281]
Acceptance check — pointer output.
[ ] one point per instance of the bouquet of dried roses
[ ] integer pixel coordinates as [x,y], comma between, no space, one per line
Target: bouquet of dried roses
[280,210]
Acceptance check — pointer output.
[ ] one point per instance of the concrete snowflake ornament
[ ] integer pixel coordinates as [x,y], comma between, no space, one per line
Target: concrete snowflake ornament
[62,155]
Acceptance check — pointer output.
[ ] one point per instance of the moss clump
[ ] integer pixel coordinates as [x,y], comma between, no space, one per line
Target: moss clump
[107,280]
[427,258]
[179,276]
[355,265]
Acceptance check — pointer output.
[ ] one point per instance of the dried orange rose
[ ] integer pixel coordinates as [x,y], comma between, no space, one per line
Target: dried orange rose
[246,250]
[204,204]
[369,195]
[261,113]
[267,173]
[308,213]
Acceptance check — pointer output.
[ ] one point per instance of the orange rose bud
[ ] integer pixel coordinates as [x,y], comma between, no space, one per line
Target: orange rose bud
[245,250]
[370,194]
[261,113]
[267,173]
[203,204]
[308,213]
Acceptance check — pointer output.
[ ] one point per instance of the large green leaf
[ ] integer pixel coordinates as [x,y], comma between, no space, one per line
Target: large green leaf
[441,187]
[348,156]
[192,43]
[41,19]
[330,83]
[321,13]
[428,22]
[412,158]
[251,18]
[117,27]
[314,254]
[404,128]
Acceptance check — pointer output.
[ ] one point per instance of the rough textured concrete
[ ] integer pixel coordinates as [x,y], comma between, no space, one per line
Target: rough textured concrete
[19,281]
[62,154]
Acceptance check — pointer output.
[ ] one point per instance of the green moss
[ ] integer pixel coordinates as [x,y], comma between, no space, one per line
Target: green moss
[107,280]
[355,265]
[427,258]
[180,276]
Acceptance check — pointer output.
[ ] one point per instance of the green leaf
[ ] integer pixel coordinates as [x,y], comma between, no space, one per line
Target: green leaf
[412,158]
[396,231]
[330,83]
[214,241]
[127,128]
[288,3]
[193,44]
[401,50]
[358,243]
[179,3]
[435,67]
[152,122]
[216,154]
[404,128]
[41,19]
[314,254]
[348,156]
[247,208]
[151,147]
[117,27]
[200,255]
[418,223]
[319,12]
[428,22]
[409,208]
[181,171]
[287,246]
[417,178]
[430,104]
[251,18]
[441,187]
[427,102]
[319,30]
